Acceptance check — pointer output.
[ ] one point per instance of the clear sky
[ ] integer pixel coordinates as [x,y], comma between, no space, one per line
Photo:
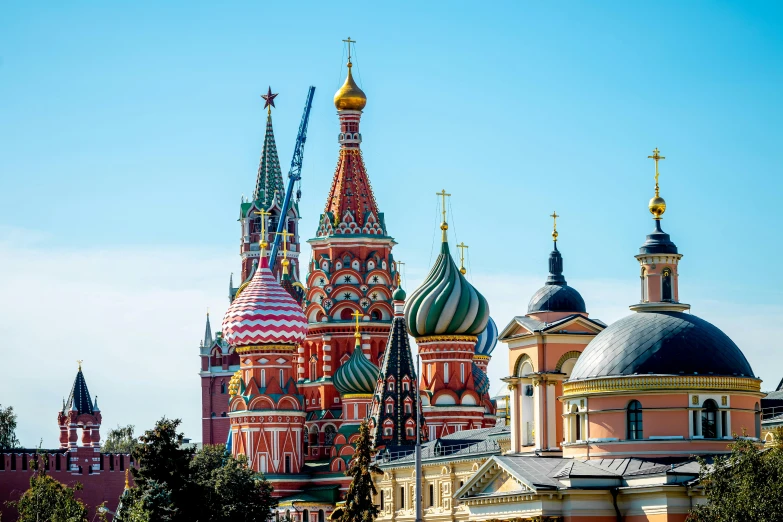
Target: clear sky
[128,133]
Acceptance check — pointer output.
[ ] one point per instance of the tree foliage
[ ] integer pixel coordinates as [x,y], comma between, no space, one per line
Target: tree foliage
[8,428]
[359,504]
[176,484]
[120,440]
[745,485]
[49,500]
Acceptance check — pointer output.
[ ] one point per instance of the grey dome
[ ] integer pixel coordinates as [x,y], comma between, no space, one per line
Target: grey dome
[556,298]
[668,343]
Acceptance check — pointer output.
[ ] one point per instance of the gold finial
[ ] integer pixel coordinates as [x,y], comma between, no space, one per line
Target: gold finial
[657,204]
[443,226]
[285,234]
[554,217]
[263,213]
[462,246]
[357,314]
[349,42]
[127,486]
[80,361]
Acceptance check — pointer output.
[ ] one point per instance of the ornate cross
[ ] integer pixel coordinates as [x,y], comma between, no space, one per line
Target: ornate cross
[357,314]
[285,234]
[462,246]
[400,264]
[554,217]
[349,42]
[656,156]
[443,197]
[263,213]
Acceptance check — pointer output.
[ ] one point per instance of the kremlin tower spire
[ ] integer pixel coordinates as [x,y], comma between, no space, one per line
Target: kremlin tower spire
[80,411]
[351,277]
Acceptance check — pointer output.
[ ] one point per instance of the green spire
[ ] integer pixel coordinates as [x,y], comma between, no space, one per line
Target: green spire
[270,177]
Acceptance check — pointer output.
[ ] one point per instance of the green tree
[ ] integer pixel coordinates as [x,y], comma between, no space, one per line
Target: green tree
[745,485]
[228,490]
[8,428]
[49,500]
[120,440]
[359,505]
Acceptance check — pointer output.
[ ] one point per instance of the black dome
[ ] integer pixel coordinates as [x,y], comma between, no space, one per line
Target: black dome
[669,343]
[556,298]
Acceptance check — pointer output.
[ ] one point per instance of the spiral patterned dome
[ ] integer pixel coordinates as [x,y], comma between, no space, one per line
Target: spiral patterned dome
[357,376]
[487,340]
[264,313]
[480,379]
[446,304]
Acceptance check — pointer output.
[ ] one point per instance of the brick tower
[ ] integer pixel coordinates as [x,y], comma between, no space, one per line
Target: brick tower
[351,271]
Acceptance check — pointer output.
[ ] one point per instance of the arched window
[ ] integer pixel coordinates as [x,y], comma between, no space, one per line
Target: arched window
[346,314]
[757,415]
[462,373]
[709,419]
[321,516]
[314,435]
[446,373]
[643,278]
[223,387]
[666,284]
[313,366]
[635,421]
[381,499]
[329,434]
[375,315]
[306,515]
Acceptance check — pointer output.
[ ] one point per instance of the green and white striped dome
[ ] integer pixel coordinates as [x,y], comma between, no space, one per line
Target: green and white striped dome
[446,304]
[357,376]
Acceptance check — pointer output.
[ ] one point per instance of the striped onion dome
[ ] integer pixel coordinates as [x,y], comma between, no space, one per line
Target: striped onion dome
[357,376]
[446,304]
[480,379]
[487,340]
[264,313]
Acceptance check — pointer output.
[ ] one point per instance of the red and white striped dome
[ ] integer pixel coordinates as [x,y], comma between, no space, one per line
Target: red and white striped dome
[264,313]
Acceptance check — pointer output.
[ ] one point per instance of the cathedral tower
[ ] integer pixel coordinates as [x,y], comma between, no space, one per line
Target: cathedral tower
[351,271]
[264,325]
[445,315]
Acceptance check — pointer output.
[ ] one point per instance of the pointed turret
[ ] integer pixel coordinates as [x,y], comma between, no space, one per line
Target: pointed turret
[208,333]
[79,399]
[79,412]
[269,181]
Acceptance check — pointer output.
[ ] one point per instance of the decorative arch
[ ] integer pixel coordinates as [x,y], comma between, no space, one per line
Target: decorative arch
[237,404]
[573,354]
[384,309]
[288,403]
[445,397]
[520,362]
[262,403]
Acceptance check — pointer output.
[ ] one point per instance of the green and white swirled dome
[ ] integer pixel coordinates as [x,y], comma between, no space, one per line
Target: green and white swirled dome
[357,376]
[446,304]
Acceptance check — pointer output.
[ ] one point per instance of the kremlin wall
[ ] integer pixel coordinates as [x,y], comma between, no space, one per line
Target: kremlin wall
[604,419]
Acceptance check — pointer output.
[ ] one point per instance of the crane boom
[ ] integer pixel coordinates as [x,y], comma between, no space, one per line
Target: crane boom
[294,175]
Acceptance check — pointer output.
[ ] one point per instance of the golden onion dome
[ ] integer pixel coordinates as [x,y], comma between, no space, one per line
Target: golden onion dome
[350,97]
[657,207]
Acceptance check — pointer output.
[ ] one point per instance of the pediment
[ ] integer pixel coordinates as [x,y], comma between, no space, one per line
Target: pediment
[575,324]
[493,479]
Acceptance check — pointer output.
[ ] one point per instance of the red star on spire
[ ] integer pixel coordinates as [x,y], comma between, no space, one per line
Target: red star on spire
[269,98]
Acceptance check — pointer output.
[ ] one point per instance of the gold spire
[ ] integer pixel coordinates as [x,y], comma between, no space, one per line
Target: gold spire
[350,97]
[462,246]
[443,226]
[263,213]
[285,234]
[554,217]
[657,204]
[357,314]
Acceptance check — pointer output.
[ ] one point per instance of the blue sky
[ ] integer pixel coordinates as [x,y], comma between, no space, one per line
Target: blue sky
[129,132]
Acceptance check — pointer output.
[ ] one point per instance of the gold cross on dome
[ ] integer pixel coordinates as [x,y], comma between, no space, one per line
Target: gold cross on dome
[656,156]
[462,246]
[263,213]
[349,42]
[554,217]
[400,264]
[357,314]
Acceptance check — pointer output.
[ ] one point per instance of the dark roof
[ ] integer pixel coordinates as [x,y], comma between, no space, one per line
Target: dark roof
[462,443]
[658,242]
[556,298]
[669,343]
[79,396]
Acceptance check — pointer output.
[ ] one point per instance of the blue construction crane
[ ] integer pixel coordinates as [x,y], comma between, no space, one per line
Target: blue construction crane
[294,176]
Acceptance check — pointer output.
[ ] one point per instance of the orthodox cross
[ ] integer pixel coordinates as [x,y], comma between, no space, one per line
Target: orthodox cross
[269,100]
[656,157]
[444,226]
[263,213]
[349,42]
[462,246]
[285,234]
[400,264]
[357,314]
[554,217]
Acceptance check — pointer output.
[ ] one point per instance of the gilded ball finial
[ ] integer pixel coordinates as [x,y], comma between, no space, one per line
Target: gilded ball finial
[350,97]
[463,271]
[657,207]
